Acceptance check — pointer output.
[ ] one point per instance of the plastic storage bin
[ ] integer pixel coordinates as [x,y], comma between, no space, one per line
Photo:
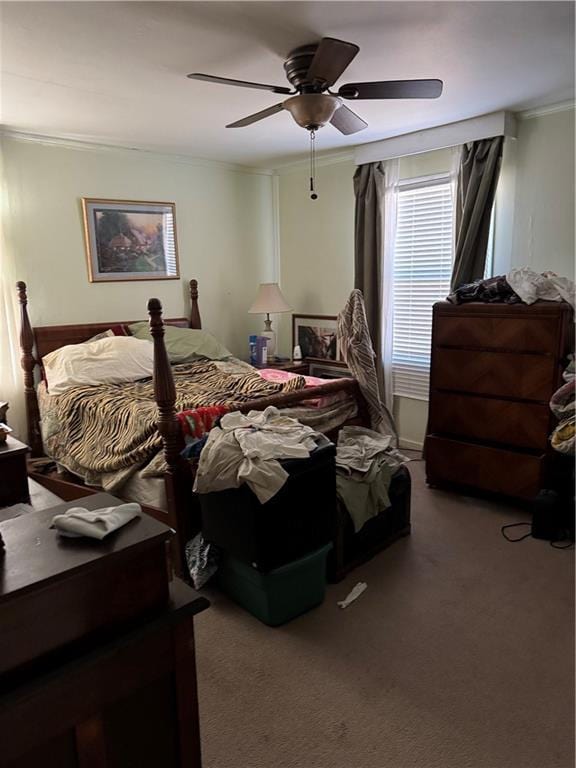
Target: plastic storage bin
[279,595]
[299,519]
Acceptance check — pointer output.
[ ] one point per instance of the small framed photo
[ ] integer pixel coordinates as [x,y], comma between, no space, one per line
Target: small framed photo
[130,240]
[316,336]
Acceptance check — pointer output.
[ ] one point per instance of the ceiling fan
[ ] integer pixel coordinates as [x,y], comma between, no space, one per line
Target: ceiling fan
[312,70]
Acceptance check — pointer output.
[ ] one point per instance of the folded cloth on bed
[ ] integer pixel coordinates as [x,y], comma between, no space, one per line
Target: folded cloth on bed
[96,523]
[246,449]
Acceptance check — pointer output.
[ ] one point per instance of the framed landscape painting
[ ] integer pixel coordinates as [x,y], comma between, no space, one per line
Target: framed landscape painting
[316,336]
[130,240]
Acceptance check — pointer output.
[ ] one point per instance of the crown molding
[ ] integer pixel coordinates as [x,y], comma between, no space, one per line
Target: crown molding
[329,158]
[550,109]
[93,146]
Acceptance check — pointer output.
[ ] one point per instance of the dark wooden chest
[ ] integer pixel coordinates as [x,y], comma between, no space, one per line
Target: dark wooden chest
[494,368]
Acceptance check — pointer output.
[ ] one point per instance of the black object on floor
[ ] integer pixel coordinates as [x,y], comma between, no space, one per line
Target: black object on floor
[298,520]
[552,520]
[553,517]
[351,549]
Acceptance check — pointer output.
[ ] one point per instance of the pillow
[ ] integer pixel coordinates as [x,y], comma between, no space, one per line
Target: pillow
[120,330]
[104,335]
[114,330]
[184,344]
[112,360]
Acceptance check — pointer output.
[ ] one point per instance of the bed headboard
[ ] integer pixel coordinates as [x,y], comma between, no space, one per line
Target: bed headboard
[39,341]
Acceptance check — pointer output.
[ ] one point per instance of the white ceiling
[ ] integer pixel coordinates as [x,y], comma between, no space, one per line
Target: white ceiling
[115,72]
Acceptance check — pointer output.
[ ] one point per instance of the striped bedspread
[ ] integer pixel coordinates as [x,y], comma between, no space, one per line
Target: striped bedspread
[111,429]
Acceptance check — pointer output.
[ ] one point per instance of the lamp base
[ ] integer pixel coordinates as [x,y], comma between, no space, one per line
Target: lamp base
[271,345]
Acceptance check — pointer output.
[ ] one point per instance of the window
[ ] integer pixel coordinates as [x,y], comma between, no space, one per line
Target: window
[423,256]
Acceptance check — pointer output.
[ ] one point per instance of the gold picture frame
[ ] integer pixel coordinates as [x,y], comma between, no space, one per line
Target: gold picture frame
[130,240]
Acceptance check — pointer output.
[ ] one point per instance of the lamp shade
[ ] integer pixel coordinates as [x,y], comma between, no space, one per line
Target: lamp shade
[269,299]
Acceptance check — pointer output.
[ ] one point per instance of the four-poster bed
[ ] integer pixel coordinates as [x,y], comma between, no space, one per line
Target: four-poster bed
[181,508]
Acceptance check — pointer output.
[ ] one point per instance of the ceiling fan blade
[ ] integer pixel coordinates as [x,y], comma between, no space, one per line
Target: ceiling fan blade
[257,116]
[347,122]
[330,60]
[393,89]
[240,83]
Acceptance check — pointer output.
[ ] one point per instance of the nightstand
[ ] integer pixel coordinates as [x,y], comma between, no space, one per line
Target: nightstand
[292,366]
[13,473]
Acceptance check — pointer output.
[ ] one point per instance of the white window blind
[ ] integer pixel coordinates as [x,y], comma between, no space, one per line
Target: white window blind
[423,256]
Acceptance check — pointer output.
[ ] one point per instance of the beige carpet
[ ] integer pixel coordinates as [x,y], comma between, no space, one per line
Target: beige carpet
[458,655]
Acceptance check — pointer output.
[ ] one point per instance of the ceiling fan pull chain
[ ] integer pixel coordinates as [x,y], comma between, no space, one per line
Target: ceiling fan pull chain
[313,195]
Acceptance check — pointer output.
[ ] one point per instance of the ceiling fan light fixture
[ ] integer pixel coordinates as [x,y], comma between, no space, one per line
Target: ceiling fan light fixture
[312,110]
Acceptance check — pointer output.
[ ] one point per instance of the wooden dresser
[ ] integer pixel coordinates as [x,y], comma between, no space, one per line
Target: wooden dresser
[97,661]
[494,368]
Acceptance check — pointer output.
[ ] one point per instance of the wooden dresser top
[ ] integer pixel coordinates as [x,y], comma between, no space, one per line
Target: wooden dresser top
[36,554]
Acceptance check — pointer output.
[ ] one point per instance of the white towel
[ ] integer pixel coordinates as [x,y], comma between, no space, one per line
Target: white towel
[95,523]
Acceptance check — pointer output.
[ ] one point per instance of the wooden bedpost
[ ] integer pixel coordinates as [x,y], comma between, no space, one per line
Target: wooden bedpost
[28,363]
[178,478]
[195,321]
[164,389]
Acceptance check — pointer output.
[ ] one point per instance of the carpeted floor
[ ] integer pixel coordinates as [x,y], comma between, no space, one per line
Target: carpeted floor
[458,655]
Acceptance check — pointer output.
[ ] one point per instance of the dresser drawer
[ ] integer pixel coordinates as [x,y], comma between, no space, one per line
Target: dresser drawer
[490,469]
[519,334]
[499,374]
[526,425]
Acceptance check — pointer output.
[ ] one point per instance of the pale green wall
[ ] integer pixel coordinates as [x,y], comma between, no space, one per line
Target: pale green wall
[535,203]
[316,242]
[225,226]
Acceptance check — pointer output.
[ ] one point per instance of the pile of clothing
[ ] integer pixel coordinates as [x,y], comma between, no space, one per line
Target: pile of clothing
[563,406]
[365,463]
[520,285]
[246,448]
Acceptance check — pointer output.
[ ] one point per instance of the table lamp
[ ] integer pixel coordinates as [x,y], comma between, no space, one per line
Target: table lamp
[269,299]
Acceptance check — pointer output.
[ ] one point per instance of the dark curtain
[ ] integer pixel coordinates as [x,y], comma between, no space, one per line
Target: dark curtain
[369,188]
[477,180]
